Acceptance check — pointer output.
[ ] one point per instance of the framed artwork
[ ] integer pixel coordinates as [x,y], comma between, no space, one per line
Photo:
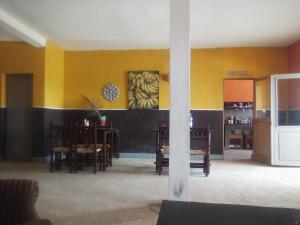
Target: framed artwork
[143,90]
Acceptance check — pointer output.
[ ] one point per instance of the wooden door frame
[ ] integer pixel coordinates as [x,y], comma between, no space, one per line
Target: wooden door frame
[254,92]
[257,156]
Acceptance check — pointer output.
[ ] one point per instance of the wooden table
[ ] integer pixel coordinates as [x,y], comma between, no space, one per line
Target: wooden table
[192,213]
[115,135]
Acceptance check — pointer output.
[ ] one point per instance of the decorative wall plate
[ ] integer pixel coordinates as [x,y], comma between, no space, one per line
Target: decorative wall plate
[111,92]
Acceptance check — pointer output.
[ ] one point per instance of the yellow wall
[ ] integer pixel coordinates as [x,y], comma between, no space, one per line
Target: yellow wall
[19,57]
[211,66]
[87,72]
[207,79]
[60,78]
[258,61]
[54,76]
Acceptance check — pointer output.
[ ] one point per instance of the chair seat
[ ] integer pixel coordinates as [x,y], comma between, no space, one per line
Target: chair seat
[102,145]
[198,152]
[166,150]
[61,149]
[87,150]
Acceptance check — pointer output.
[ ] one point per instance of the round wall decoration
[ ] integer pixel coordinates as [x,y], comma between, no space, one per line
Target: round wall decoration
[111,92]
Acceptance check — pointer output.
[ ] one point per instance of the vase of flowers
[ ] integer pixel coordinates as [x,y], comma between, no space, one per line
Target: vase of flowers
[94,112]
[103,120]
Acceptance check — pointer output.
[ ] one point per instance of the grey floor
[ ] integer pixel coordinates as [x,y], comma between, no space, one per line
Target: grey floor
[238,154]
[129,193]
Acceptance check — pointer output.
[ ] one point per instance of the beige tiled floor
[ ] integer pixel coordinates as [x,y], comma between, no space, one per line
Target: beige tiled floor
[126,193]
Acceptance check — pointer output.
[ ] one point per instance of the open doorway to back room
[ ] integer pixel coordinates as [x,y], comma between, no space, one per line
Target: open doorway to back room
[238,119]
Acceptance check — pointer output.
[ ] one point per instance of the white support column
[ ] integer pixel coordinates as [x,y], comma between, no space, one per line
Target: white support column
[21,31]
[179,164]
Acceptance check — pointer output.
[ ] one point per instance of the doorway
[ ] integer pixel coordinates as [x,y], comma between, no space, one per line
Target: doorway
[19,117]
[238,118]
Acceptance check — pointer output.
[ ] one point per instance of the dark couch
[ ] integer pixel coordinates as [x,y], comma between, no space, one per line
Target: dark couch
[17,203]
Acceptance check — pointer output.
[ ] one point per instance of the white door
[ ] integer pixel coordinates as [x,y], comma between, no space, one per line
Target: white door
[285,117]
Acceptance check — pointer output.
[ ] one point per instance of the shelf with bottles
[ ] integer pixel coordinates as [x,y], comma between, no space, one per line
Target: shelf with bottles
[238,105]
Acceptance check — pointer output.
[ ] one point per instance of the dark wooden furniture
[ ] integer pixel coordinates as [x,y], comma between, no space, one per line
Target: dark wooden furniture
[192,213]
[72,145]
[86,149]
[236,140]
[105,141]
[115,141]
[248,141]
[59,146]
[200,146]
[17,202]
[230,129]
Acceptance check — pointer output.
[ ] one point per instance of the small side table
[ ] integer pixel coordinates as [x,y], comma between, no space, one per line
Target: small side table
[236,138]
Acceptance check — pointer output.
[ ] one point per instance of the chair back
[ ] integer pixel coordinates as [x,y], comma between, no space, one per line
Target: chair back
[59,135]
[163,135]
[83,135]
[200,138]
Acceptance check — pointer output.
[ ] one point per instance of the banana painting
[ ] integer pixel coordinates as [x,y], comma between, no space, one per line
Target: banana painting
[143,90]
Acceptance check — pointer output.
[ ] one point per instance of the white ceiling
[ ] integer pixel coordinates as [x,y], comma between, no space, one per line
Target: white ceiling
[144,24]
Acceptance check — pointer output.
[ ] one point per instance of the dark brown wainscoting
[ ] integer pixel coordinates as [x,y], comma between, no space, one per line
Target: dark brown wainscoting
[42,117]
[136,127]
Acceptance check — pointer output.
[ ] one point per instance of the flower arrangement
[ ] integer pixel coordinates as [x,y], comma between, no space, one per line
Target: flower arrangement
[94,107]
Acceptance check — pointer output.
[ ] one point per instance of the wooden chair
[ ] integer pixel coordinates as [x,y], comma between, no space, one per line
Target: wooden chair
[108,145]
[109,140]
[162,151]
[85,149]
[200,146]
[59,146]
